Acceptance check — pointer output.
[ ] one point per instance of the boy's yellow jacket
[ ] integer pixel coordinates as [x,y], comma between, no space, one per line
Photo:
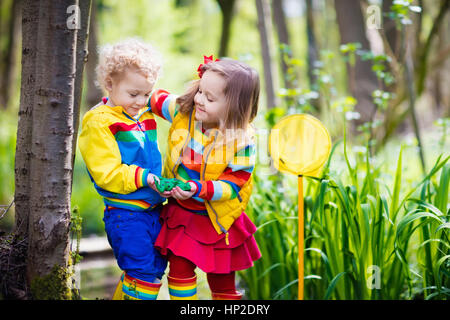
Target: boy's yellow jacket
[120,152]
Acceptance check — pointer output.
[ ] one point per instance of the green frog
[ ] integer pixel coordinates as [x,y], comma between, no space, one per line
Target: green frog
[166,184]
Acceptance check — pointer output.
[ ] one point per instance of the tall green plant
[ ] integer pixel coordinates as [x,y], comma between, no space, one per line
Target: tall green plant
[275,214]
[360,242]
[360,235]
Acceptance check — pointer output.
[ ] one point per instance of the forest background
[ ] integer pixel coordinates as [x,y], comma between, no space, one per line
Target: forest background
[376,73]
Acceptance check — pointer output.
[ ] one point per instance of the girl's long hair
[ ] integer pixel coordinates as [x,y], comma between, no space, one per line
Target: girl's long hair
[241,92]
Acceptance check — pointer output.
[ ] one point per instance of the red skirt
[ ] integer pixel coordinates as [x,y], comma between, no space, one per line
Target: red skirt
[192,236]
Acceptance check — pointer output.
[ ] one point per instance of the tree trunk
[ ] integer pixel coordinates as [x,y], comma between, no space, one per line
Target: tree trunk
[8,81]
[44,155]
[283,36]
[51,149]
[425,48]
[313,51]
[23,145]
[94,93]
[438,78]
[362,81]
[409,67]
[15,282]
[390,29]
[263,11]
[1,15]
[81,59]
[226,6]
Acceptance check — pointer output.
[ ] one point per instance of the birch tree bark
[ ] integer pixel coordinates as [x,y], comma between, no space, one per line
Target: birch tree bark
[51,144]
[15,281]
[23,145]
[52,30]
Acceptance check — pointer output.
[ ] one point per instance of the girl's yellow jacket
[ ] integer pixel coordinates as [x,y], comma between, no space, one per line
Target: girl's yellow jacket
[217,154]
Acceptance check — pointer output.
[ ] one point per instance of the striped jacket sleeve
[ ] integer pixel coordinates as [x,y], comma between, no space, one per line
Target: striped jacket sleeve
[230,182]
[164,104]
[102,157]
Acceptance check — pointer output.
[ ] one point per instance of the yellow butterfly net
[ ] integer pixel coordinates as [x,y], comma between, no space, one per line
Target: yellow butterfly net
[299,144]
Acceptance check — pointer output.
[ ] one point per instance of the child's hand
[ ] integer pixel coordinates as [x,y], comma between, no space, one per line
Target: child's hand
[151,182]
[179,194]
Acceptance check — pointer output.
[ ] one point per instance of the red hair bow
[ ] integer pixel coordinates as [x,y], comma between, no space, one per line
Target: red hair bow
[206,60]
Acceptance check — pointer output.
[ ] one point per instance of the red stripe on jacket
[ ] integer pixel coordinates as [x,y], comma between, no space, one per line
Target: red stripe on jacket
[149,124]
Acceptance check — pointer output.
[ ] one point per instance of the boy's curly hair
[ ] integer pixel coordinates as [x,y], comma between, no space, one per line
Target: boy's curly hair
[114,59]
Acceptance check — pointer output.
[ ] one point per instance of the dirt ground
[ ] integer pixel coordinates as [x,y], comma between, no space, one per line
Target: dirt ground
[100,283]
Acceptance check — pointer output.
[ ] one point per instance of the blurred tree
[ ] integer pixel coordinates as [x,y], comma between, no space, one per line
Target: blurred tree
[313,51]
[18,289]
[412,96]
[44,160]
[181,3]
[93,92]
[425,48]
[409,51]
[8,65]
[263,11]
[414,89]
[361,79]
[27,97]
[390,29]
[82,54]
[437,85]
[227,8]
[279,18]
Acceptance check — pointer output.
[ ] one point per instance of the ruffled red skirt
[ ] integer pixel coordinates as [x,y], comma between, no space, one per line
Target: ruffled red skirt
[192,236]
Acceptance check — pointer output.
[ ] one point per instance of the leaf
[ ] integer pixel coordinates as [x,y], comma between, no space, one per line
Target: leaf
[443,226]
[280,292]
[401,3]
[324,258]
[410,218]
[269,269]
[437,267]
[313,276]
[434,240]
[397,185]
[415,9]
[427,205]
[332,285]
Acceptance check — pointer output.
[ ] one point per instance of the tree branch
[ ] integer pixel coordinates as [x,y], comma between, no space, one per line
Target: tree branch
[422,63]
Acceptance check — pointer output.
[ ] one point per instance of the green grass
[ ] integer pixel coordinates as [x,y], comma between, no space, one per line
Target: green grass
[370,232]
